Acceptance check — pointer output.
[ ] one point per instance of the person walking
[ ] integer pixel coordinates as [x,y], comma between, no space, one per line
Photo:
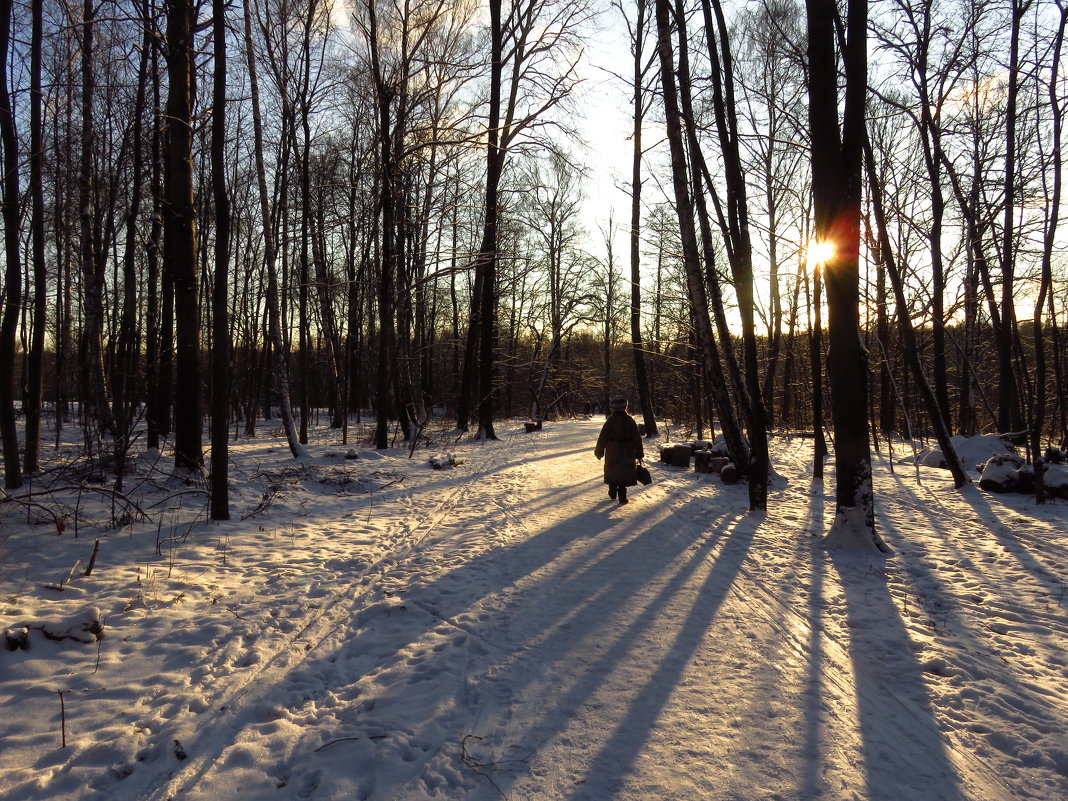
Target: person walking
[620,445]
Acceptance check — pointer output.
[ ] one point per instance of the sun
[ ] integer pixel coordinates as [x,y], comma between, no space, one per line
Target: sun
[818,252]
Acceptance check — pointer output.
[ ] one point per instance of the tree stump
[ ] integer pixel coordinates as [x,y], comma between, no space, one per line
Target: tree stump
[678,455]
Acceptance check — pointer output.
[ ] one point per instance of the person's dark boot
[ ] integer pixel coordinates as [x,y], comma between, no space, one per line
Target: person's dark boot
[622,495]
[612,491]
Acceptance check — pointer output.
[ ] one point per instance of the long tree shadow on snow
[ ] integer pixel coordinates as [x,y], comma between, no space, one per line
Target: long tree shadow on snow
[576,575]
[619,753]
[901,742]
[1018,547]
[811,785]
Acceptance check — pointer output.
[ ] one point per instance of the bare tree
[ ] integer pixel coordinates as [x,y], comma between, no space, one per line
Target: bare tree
[641,98]
[1045,291]
[740,246]
[95,388]
[695,280]
[35,356]
[836,194]
[534,51]
[908,335]
[274,315]
[931,58]
[550,212]
[13,269]
[1010,415]
[220,329]
[124,405]
[180,242]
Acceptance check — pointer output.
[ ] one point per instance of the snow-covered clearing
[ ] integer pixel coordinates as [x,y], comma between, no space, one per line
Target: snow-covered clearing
[377,629]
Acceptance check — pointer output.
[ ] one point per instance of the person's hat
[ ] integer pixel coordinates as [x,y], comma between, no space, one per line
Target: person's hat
[618,402]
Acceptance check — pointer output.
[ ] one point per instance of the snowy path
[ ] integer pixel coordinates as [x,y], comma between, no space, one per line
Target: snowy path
[504,630]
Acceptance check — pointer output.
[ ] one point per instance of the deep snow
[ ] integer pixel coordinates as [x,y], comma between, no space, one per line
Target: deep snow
[377,629]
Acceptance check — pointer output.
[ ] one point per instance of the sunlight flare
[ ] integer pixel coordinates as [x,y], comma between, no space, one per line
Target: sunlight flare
[818,252]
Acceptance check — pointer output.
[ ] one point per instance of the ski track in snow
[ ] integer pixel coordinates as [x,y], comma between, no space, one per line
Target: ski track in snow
[504,630]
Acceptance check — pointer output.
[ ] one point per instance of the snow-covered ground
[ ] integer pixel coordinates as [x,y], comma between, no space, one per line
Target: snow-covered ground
[377,629]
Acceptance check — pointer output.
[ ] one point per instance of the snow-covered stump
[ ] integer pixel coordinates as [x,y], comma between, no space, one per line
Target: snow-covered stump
[443,461]
[17,639]
[706,462]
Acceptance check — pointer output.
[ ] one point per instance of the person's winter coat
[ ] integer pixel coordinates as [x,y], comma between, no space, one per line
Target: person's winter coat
[621,446]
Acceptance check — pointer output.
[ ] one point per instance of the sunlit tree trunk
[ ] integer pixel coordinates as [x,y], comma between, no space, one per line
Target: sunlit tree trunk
[836,194]
[815,358]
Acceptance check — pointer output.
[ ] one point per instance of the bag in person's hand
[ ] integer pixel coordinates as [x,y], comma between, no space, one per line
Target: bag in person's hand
[641,472]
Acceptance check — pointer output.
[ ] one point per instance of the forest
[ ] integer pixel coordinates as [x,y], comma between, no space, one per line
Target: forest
[838,218]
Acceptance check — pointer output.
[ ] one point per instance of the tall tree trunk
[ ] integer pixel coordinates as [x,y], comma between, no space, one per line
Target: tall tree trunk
[325,296]
[64,301]
[13,271]
[789,416]
[815,358]
[95,389]
[1009,411]
[732,432]
[931,140]
[836,194]
[274,314]
[384,97]
[220,338]
[486,260]
[908,335]
[978,275]
[179,226]
[1046,280]
[742,252]
[637,346]
[966,417]
[887,409]
[303,324]
[470,358]
[157,405]
[609,305]
[126,362]
[353,322]
[35,357]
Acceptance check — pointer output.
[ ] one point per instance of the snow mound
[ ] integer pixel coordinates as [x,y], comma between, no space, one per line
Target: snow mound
[973,451]
[1009,473]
